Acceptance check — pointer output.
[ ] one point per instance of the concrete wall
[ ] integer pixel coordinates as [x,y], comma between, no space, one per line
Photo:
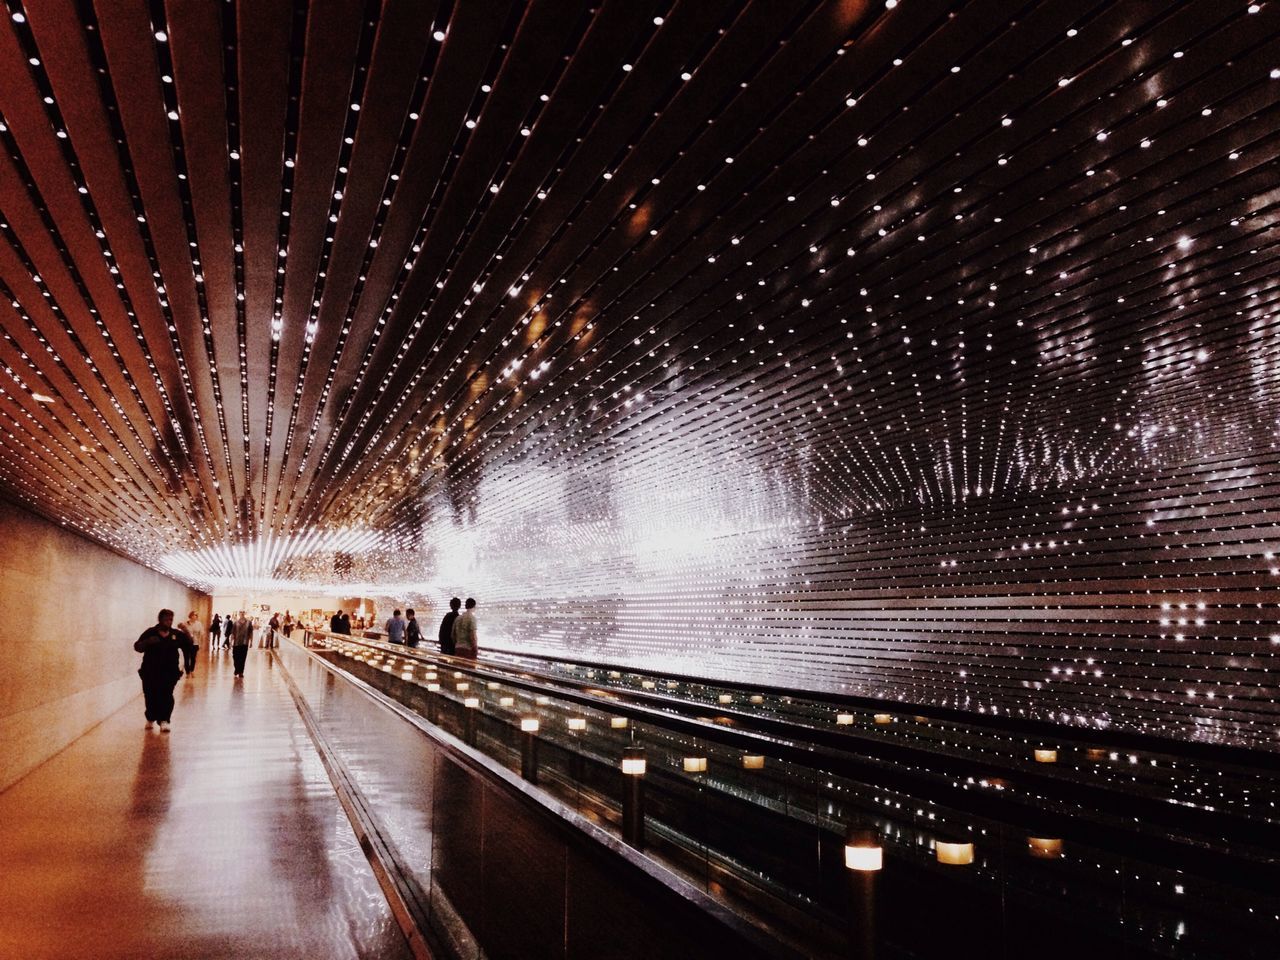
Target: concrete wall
[69,613]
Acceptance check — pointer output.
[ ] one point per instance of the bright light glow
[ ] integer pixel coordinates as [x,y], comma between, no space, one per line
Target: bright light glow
[954,854]
[863,858]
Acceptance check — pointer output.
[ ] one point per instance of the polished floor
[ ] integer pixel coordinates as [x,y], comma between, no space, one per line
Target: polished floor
[222,838]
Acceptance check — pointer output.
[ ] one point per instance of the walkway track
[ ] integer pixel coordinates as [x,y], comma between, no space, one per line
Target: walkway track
[223,838]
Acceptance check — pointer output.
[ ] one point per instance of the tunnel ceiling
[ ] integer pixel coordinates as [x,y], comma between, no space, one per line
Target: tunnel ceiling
[365,291]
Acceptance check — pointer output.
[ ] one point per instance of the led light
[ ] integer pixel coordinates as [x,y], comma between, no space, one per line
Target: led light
[695,764]
[529,724]
[633,761]
[1044,848]
[752,761]
[954,854]
[862,851]
[618,723]
[577,723]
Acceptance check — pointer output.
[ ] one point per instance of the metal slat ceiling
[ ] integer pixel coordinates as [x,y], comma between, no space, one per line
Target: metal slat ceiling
[843,311]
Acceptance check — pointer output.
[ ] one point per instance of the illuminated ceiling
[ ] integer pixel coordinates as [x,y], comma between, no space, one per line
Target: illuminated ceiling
[550,295]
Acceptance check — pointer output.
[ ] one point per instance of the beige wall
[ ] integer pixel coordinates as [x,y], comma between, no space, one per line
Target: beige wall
[69,613]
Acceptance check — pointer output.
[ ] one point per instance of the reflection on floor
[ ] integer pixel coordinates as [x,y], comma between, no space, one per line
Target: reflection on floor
[220,839]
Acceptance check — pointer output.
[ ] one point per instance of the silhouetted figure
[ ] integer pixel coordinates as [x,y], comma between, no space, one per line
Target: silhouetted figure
[160,646]
[215,632]
[465,641]
[344,627]
[228,625]
[335,623]
[446,626]
[412,632]
[240,643]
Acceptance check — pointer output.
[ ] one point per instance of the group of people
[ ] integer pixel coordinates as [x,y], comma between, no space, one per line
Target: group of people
[457,634]
[169,650]
[221,631]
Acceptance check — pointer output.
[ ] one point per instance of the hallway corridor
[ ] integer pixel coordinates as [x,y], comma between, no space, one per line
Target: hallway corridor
[223,838]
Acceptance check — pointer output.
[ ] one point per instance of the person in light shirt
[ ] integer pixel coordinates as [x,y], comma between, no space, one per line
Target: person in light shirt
[395,628]
[195,630]
[466,642]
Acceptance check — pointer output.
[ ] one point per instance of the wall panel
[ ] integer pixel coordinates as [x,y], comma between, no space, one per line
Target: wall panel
[69,613]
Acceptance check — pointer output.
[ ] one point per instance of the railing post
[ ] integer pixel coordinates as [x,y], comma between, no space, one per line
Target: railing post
[633,771]
[433,703]
[863,856]
[471,706]
[529,748]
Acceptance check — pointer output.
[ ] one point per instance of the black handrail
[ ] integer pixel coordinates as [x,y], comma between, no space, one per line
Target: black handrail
[926,774]
[1039,729]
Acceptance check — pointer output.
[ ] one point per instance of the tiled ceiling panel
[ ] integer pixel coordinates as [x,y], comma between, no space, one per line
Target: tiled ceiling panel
[919,350]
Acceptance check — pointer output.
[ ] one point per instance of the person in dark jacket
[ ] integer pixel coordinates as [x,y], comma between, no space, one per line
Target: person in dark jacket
[446,626]
[160,646]
[345,628]
[241,642]
[412,632]
[227,626]
[335,623]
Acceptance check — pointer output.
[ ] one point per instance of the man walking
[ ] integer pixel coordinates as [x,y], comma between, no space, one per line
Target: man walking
[241,640]
[412,632]
[465,641]
[160,646]
[446,626]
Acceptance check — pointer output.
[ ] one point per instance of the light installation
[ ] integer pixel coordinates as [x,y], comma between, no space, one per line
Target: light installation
[868,349]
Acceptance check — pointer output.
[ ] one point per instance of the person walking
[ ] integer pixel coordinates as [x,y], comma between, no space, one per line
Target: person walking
[160,647]
[287,626]
[412,632]
[446,626]
[215,633]
[241,641]
[395,628]
[268,634]
[227,626]
[465,641]
[195,630]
